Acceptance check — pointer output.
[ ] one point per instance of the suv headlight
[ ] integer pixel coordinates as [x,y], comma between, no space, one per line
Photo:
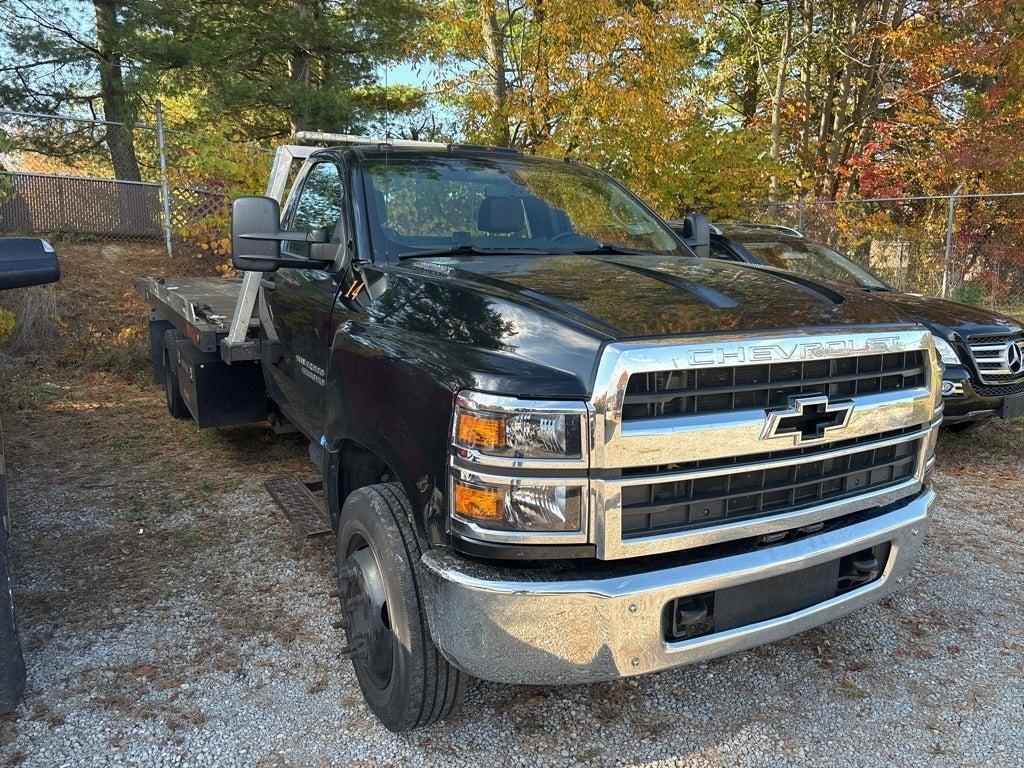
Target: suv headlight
[946,352]
[519,469]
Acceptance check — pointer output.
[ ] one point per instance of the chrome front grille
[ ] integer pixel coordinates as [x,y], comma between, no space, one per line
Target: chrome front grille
[993,358]
[768,385]
[672,469]
[764,485]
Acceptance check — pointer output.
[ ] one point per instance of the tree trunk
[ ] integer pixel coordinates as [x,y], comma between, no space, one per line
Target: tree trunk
[843,116]
[298,73]
[541,120]
[778,94]
[494,49]
[119,135]
[807,13]
[750,97]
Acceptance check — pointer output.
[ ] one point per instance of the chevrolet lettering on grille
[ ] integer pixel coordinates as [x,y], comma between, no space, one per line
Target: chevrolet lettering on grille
[796,352]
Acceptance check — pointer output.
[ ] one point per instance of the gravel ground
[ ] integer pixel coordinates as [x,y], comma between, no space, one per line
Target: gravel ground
[171,619]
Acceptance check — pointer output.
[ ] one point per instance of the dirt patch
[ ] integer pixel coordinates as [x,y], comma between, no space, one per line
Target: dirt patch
[92,319]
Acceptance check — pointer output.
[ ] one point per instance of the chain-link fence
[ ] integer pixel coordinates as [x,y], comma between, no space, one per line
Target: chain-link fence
[81,177]
[968,247]
[84,178]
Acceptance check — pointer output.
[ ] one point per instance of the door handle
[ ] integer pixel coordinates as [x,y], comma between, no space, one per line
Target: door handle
[268,283]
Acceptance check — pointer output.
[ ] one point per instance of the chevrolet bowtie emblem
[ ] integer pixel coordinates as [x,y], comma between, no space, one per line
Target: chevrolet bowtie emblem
[808,419]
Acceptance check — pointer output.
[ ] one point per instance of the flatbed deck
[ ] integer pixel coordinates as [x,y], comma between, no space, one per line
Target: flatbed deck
[202,308]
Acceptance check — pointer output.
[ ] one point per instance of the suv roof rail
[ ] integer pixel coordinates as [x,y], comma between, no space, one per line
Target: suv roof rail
[781,227]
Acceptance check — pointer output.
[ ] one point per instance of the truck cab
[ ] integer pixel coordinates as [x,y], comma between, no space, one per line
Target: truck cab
[555,446]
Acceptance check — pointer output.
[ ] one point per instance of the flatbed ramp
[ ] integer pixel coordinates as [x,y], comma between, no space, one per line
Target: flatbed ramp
[202,308]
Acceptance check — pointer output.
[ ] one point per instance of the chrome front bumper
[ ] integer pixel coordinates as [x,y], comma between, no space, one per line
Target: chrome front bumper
[519,626]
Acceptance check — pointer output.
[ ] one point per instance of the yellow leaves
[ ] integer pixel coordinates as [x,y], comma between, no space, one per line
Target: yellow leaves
[128,334]
[7,323]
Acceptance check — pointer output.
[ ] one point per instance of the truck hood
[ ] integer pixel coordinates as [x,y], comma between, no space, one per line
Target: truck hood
[534,326]
[645,295]
[947,317]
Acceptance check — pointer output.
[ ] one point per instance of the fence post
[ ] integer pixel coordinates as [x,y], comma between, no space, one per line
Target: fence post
[950,224]
[165,189]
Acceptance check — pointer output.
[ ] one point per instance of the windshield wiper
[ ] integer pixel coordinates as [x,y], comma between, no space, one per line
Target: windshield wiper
[601,248]
[468,250]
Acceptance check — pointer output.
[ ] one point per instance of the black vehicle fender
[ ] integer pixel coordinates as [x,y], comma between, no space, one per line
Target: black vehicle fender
[392,391]
[395,402]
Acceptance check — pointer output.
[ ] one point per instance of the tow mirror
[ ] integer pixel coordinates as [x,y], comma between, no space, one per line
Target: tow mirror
[256,237]
[697,234]
[27,261]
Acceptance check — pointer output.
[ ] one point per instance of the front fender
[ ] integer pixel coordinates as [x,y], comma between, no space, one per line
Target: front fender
[393,392]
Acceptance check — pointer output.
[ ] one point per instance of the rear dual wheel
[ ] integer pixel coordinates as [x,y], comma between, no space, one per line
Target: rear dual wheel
[172,389]
[405,680]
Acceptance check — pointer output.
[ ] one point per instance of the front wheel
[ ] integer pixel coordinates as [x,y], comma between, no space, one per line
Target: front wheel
[405,680]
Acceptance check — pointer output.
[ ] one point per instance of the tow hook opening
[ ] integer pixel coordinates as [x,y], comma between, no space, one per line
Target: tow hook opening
[692,616]
[862,567]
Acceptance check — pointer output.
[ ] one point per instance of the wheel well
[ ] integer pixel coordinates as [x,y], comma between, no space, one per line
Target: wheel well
[359,467]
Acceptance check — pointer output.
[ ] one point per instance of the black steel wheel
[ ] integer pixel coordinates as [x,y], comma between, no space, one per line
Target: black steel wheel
[172,390]
[367,623]
[405,680]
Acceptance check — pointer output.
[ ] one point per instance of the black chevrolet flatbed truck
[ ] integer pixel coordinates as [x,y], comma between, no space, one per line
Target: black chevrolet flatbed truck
[554,446]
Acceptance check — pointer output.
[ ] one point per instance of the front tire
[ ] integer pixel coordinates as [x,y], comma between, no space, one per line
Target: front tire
[405,680]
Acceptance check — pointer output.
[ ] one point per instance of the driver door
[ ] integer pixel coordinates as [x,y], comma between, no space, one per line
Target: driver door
[299,302]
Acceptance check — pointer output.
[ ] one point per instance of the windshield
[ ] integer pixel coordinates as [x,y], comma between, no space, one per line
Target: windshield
[807,258]
[503,204]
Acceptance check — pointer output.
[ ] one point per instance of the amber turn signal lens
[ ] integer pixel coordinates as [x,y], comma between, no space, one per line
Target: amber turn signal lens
[481,431]
[479,503]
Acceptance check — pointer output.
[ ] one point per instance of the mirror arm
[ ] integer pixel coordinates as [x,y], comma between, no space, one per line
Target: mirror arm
[303,263]
[316,236]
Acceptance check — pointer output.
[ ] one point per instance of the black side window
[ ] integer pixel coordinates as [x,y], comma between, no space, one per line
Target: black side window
[719,251]
[319,206]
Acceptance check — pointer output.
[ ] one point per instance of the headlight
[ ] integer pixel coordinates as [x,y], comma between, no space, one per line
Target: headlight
[517,505]
[519,469]
[518,429]
[946,352]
